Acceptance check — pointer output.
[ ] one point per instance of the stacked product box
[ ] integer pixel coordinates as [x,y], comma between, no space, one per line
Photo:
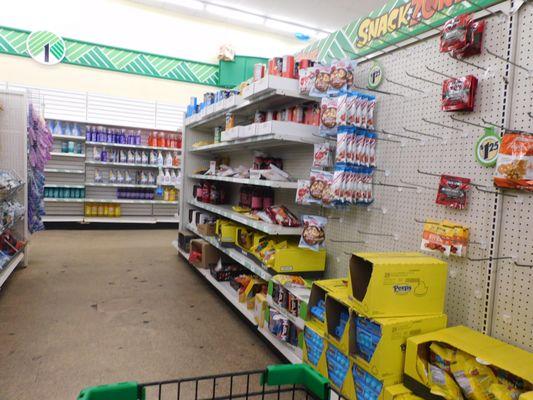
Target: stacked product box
[366,322]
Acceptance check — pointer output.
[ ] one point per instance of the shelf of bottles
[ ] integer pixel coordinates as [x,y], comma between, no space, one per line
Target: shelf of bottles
[137,167]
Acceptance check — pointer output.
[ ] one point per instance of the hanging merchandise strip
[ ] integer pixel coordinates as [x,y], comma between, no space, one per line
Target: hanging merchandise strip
[394,23]
[85,54]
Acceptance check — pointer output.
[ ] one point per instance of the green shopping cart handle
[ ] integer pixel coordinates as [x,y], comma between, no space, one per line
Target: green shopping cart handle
[297,374]
[115,391]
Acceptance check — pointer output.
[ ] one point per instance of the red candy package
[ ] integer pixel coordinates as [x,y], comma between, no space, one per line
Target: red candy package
[474,40]
[454,35]
[282,216]
[453,192]
[458,94]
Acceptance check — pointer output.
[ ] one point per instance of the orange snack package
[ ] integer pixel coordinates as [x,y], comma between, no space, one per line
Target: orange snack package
[514,169]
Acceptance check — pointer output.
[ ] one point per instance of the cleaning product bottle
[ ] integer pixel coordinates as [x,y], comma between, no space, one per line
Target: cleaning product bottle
[176,161]
[96,154]
[75,130]
[138,158]
[160,177]
[168,160]
[144,178]
[118,210]
[160,159]
[144,158]
[153,158]
[57,129]
[173,178]
[167,177]
[120,176]
[131,157]
[103,155]
[151,178]
[111,210]
[112,176]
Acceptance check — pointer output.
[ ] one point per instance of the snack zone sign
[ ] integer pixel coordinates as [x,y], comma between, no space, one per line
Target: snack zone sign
[389,23]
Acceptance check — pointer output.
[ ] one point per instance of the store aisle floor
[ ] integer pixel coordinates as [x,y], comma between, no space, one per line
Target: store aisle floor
[98,307]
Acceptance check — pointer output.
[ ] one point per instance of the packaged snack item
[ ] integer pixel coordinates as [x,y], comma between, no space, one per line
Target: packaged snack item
[338,76]
[371,141]
[322,155]
[442,384]
[327,194]
[370,112]
[337,185]
[455,33]
[282,216]
[350,146]
[453,192]
[458,94]
[328,116]
[314,232]
[359,148]
[319,183]
[341,154]
[342,110]
[306,80]
[351,108]
[474,378]
[514,168]
[474,40]
[435,238]
[442,356]
[320,79]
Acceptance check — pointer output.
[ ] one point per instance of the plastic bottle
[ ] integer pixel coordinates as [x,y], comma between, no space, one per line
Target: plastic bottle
[118,210]
[160,159]
[173,178]
[111,210]
[153,158]
[145,179]
[57,128]
[100,210]
[112,176]
[103,155]
[138,157]
[120,176]
[168,160]
[88,210]
[151,139]
[75,130]
[160,177]
[50,125]
[176,161]
[144,158]
[96,154]
[138,138]
[129,177]
[166,180]
[131,157]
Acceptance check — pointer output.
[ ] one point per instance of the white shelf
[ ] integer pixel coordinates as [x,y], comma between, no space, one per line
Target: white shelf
[125,220]
[132,146]
[10,267]
[128,165]
[257,182]
[65,186]
[120,185]
[246,262]
[65,200]
[291,353]
[226,211]
[257,142]
[62,218]
[65,137]
[228,292]
[64,171]
[61,154]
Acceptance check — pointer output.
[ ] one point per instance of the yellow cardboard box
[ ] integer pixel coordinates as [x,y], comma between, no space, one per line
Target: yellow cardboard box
[398,392]
[314,347]
[368,386]
[295,259]
[378,344]
[491,351]
[261,305]
[318,294]
[526,396]
[397,284]
[340,369]
[337,316]
[226,231]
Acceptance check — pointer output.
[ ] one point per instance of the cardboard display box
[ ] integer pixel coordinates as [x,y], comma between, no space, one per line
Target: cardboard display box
[296,259]
[397,284]
[368,386]
[318,293]
[206,229]
[378,344]
[184,239]
[314,348]
[226,232]
[394,391]
[336,309]
[491,351]
[340,371]
[209,254]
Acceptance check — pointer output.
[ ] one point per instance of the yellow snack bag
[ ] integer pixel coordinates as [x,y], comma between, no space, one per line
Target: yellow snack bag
[407,396]
[503,392]
[442,384]
[442,356]
[473,377]
[422,369]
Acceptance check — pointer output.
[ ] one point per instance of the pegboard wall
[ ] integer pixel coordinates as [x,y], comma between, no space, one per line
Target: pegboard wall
[490,295]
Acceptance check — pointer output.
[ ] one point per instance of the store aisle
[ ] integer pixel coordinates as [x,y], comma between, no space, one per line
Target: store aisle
[99,307]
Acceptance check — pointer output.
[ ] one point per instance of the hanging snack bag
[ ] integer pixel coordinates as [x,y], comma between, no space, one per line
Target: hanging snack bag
[302,193]
[328,116]
[306,80]
[358,115]
[338,76]
[317,184]
[349,76]
[370,112]
[454,35]
[453,192]
[341,154]
[474,40]
[342,110]
[371,140]
[350,153]
[351,108]
[327,194]
[282,216]
[434,238]
[514,168]
[320,80]
[359,146]
[314,232]
[474,378]
[337,185]
[458,94]
[322,155]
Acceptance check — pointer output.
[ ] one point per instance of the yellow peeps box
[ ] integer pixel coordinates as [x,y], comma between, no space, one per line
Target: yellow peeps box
[340,371]
[397,284]
[526,396]
[399,392]
[378,344]
[338,319]
[296,259]
[314,347]
[317,298]
[226,231]
[368,386]
[491,351]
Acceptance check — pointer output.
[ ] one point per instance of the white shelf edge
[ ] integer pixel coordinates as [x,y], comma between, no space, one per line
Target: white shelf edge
[10,267]
[235,255]
[271,229]
[66,186]
[128,165]
[256,182]
[62,218]
[132,146]
[65,137]
[64,171]
[120,185]
[118,201]
[65,200]
[61,154]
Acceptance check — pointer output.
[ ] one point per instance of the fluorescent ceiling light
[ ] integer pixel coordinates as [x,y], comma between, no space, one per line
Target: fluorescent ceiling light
[286,27]
[321,34]
[192,4]
[234,14]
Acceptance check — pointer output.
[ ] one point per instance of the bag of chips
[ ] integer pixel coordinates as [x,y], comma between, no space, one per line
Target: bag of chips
[514,168]
[320,80]
[328,116]
[454,34]
[339,76]
[473,377]
[442,384]
[302,193]
[314,232]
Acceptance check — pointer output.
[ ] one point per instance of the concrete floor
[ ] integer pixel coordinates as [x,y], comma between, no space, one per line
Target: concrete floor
[97,307]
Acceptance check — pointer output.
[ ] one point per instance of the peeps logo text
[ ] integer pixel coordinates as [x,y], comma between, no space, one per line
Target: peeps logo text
[402,289]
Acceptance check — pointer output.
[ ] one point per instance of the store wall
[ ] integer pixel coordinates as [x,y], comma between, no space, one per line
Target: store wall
[126,24]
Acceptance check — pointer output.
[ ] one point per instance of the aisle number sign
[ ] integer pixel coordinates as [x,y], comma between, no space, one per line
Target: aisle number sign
[487,148]
[46,47]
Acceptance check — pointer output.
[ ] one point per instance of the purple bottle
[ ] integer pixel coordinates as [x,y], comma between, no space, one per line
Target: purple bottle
[88,133]
[103,155]
[138,138]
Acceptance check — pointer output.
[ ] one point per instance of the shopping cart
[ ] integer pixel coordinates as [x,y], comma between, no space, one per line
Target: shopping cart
[279,382]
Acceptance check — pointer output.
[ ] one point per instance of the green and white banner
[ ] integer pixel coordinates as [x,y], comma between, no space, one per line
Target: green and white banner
[48,48]
[396,21]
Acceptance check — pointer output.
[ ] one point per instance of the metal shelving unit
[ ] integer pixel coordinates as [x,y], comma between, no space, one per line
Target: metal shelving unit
[243,181]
